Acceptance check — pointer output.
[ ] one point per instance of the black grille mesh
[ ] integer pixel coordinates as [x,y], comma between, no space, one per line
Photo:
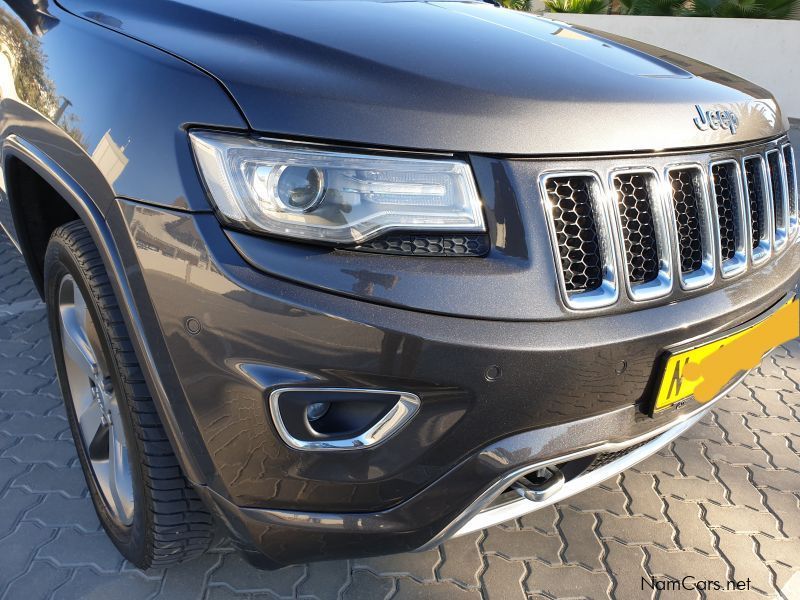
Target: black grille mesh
[726,196]
[776,186]
[755,196]
[428,245]
[576,232]
[687,197]
[603,458]
[638,227]
[788,156]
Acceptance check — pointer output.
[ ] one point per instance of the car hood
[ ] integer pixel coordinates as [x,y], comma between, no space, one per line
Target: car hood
[443,76]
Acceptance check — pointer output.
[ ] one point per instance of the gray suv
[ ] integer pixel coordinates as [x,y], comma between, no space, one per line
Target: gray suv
[358,276]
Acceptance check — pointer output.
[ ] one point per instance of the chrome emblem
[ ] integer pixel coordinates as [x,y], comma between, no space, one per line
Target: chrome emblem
[716,119]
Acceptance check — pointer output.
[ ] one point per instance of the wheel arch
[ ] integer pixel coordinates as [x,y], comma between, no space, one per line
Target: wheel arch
[18,152]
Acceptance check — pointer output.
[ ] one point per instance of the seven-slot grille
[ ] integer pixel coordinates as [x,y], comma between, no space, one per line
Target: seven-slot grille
[649,224]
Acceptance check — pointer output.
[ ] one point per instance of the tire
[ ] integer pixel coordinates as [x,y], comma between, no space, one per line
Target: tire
[147,507]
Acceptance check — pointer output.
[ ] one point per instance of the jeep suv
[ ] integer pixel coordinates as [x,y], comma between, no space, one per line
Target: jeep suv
[354,277]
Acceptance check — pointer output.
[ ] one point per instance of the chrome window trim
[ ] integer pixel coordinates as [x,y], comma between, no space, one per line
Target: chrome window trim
[662,284]
[707,272]
[780,234]
[399,415]
[794,198]
[738,263]
[608,292]
[763,251]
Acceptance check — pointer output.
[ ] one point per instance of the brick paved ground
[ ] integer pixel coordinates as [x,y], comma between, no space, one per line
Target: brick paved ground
[720,503]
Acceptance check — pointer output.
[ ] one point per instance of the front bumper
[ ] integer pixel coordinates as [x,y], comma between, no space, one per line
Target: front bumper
[566,387]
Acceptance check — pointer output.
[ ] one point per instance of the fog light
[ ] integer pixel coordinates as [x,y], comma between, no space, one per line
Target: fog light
[316,411]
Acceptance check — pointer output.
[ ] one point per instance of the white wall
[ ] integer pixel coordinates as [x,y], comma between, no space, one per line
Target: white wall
[765,51]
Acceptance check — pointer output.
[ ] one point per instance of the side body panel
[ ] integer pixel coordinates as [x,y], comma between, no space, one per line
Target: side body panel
[98,115]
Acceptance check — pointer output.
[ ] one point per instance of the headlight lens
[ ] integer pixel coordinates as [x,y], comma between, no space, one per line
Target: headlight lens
[320,195]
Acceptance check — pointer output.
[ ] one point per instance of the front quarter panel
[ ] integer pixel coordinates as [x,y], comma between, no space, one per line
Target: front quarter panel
[109,110]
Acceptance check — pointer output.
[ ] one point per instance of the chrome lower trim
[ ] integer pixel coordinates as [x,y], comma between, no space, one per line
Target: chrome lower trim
[477,516]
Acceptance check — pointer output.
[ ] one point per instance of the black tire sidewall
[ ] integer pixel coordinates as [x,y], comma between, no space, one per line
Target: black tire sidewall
[131,540]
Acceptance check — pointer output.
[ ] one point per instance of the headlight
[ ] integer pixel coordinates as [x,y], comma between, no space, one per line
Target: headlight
[319,195]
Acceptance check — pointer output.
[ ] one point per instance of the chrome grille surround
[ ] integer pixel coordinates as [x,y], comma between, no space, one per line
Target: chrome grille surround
[695,269]
[731,217]
[780,202]
[791,180]
[756,191]
[608,290]
[705,272]
[661,284]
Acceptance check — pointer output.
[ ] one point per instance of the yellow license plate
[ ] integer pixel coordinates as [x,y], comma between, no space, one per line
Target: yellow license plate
[702,372]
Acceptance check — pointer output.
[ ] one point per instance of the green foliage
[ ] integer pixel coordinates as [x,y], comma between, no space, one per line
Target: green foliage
[594,7]
[515,4]
[747,9]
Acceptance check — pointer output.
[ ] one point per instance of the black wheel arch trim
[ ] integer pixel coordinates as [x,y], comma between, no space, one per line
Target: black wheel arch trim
[87,210]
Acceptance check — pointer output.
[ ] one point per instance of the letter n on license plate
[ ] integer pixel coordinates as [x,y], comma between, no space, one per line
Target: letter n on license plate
[702,372]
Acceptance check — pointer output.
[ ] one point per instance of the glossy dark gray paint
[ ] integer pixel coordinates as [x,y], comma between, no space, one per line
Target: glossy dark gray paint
[450,76]
[170,259]
[261,332]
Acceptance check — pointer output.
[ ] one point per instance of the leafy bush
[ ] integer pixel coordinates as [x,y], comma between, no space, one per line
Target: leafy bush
[515,4]
[748,9]
[577,6]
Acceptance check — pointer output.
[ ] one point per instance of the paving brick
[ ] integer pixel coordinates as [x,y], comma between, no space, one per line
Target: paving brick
[419,565]
[14,504]
[779,479]
[367,586]
[241,577]
[503,579]
[626,568]
[773,425]
[58,511]
[740,552]
[786,508]
[690,530]
[738,455]
[18,549]
[74,548]
[741,519]
[519,545]
[643,498]
[34,404]
[543,520]
[741,490]
[408,589]
[581,545]
[58,453]
[89,585]
[691,488]
[43,477]
[784,550]
[599,498]
[567,581]
[782,451]
[191,580]
[462,560]
[677,564]
[324,580]
[38,582]
[23,424]
[636,530]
